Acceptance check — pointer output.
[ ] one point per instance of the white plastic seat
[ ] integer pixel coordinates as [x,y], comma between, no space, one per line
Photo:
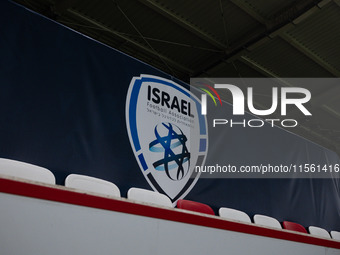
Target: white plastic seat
[316,231]
[335,235]
[149,196]
[234,214]
[92,184]
[26,171]
[267,221]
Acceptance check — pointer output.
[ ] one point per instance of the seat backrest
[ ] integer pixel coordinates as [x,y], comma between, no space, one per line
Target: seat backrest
[335,235]
[195,206]
[316,231]
[92,184]
[294,226]
[234,214]
[267,221]
[149,196]
[26,171]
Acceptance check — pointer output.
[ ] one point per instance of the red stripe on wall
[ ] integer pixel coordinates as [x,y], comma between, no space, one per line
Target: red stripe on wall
[65,195]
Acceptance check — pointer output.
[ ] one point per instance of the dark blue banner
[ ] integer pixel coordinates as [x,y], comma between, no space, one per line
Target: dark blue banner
[63,107]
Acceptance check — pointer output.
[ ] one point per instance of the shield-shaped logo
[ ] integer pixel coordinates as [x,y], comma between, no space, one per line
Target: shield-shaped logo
[167,132]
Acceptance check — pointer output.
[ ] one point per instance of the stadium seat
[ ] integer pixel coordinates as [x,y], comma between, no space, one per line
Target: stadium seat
[267,221]
[335,235]
[294,226]
[234,214]
[149,196]
[26,171]
[316,231]
[92,184]
[194,206]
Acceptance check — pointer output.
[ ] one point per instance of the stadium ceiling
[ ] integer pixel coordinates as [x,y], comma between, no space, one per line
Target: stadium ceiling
[220,38]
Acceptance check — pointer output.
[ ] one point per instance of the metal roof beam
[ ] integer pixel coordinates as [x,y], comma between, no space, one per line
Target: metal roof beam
[249,62]
[61,6]
[281,23]
[327,96]
[300,47]
[183,23]
[143,47]
[245,7]
[264,70]
[337,2]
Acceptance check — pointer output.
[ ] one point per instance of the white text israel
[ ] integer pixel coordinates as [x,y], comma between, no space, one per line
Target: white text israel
[164,99]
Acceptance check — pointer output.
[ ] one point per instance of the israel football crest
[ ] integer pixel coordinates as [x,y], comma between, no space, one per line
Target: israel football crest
[167,132]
